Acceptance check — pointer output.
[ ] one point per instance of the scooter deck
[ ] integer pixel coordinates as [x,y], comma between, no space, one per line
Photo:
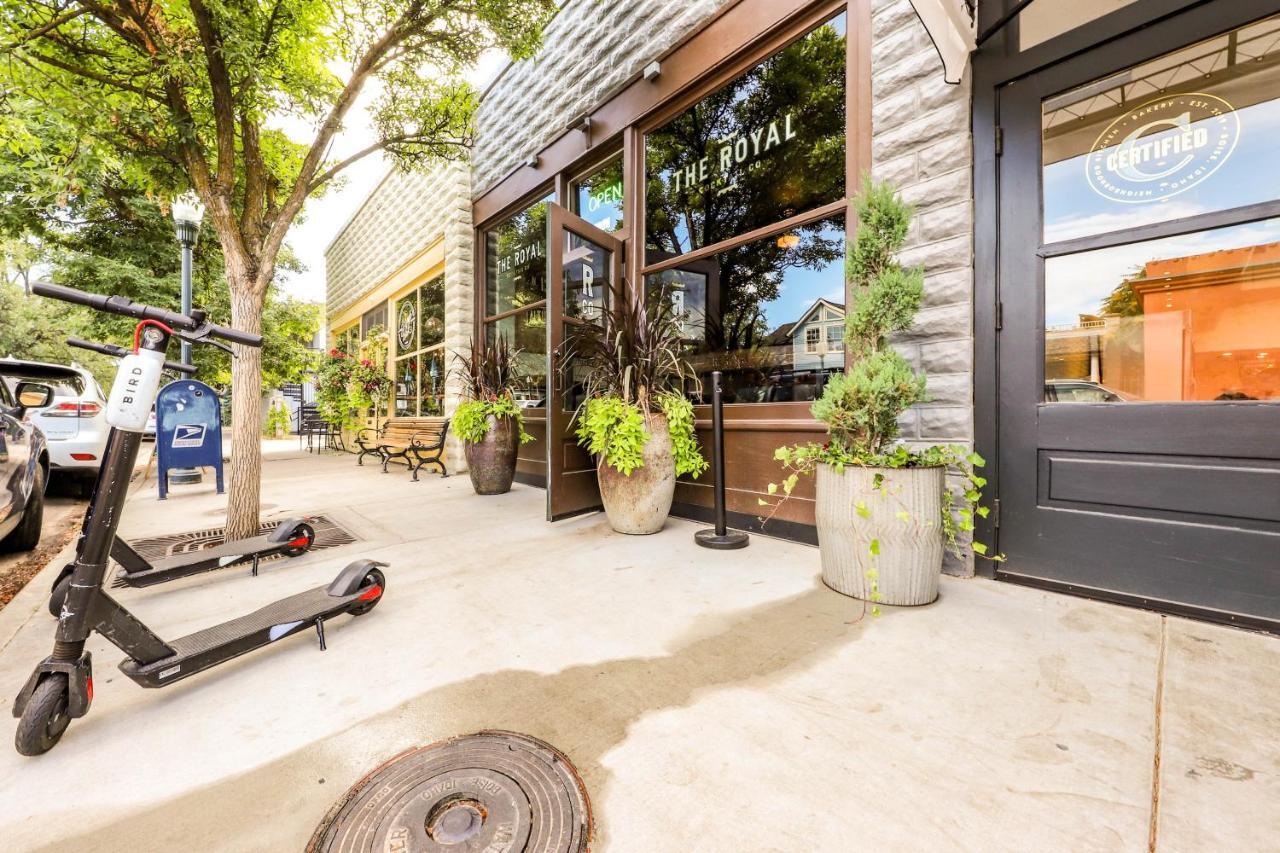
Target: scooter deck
[196,562]
[219,643]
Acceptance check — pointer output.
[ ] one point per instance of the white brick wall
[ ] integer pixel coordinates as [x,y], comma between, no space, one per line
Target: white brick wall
[921,142]
[407,212]
[589,49]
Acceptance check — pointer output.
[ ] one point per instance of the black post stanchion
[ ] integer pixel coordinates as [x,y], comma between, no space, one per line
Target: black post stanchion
[721,538]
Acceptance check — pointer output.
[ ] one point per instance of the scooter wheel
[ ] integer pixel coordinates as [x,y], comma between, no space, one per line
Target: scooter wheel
[301,538]
[45,718]
[59,594]
[374,578]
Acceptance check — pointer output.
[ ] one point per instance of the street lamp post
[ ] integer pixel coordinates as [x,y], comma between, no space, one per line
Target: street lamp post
[187,213]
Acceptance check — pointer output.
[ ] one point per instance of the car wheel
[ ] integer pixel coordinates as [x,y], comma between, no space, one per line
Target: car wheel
[27,534]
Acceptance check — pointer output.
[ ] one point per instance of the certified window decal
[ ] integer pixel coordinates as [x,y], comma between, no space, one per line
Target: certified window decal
[1162,148]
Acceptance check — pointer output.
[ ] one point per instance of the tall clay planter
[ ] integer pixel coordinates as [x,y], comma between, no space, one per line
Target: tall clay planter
[491,462]
[640,503]
[910,559]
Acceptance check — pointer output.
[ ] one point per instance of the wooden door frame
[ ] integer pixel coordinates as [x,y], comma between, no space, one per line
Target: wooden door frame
[560,221]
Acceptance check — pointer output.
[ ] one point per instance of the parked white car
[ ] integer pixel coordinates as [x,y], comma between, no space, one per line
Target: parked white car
[75,423]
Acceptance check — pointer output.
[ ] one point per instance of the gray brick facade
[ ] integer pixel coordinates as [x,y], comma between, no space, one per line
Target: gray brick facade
[589,49]
[921,142]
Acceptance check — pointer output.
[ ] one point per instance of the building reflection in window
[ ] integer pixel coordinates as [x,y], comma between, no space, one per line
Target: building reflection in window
[1193,317]
[753,310]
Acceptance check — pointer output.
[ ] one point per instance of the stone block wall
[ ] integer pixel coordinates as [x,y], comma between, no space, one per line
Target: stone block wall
[589,50]
[407,212]
[921,142]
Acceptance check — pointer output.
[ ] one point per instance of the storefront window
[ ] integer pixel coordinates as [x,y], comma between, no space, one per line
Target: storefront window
[516,294]
[516,261]
[597,198]
[1194,317]
[348,340]
[419,342]
[1192,132]
[1191,316]
[766,313]
[374,318]
[526,331]
[768,146]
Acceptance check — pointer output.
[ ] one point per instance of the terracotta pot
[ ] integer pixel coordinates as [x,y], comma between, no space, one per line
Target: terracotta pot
[491,462]
[640,503]
[910,560]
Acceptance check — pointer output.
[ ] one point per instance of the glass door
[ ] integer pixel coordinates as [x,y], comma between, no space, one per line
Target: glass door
[585,267]
[1140,278]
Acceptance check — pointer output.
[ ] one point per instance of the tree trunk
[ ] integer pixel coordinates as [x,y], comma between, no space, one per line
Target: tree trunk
[246,411]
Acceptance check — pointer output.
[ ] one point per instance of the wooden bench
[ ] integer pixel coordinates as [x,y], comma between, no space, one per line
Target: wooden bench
[418,441]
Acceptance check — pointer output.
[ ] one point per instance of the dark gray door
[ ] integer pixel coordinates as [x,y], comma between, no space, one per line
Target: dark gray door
[1139,351]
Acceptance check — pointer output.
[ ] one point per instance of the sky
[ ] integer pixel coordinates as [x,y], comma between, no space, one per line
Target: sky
[324,217]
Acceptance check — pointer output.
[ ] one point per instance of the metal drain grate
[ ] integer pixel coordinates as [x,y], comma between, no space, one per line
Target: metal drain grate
[493,790]
[329,534]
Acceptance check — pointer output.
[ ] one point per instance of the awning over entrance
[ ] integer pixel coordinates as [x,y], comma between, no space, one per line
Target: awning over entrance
[953,28]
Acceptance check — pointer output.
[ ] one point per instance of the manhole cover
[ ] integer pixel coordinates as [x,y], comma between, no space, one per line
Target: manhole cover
[491,791]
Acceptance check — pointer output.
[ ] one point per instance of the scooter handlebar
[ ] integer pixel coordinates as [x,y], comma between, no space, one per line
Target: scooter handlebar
[235,335]
[128,308]
[116,351]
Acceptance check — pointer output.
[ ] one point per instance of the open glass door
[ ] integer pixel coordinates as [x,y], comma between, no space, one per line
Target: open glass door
[585,264]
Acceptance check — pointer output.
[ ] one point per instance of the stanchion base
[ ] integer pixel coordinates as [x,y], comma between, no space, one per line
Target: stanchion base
[731,540]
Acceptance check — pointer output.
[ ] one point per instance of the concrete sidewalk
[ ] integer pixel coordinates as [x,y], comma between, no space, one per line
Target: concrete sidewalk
[713,701]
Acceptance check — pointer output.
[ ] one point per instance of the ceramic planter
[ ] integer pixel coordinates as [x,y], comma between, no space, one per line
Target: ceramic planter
[639,504]
[491,462]
[910,560]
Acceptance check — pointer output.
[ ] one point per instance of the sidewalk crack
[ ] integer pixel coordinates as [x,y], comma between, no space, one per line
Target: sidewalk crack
[1158,738]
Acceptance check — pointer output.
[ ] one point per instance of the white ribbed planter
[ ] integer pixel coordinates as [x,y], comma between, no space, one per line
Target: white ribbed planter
[910,560]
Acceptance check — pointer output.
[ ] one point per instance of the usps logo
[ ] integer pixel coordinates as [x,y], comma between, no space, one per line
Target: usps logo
[188,435]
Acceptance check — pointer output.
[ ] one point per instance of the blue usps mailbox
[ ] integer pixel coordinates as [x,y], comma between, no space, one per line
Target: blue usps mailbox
[188,429]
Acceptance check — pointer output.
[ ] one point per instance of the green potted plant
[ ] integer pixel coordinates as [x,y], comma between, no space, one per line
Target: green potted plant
[277,420]
[635,418]
[883,510]
[490,422]
[332,380]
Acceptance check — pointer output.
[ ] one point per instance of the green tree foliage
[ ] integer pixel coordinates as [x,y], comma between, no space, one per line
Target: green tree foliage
[31,330]
[861,408]
[164,95]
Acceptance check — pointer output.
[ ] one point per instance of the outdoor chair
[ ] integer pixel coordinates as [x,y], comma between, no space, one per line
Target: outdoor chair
[418,441]
[316,431]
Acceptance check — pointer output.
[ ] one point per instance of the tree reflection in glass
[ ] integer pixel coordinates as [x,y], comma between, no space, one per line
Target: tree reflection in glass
[769,145]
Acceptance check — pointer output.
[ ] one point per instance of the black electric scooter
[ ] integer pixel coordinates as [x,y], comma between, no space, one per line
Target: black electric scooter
[61,687]
[291,537]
